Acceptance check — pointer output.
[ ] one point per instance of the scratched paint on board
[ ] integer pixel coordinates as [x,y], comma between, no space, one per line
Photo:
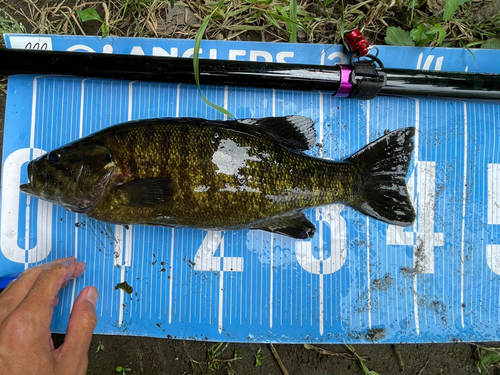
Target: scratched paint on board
[357,280]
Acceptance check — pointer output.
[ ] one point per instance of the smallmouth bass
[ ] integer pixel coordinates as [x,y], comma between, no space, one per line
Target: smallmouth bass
[191,172]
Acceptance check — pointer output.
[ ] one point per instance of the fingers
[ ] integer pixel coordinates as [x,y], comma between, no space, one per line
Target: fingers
[41,298]
[26,310]
[17,290]
[82,322]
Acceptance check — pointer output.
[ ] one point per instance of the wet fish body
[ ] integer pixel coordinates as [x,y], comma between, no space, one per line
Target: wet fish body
[191,172]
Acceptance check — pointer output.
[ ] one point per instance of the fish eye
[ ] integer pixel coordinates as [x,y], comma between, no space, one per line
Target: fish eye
[54,157]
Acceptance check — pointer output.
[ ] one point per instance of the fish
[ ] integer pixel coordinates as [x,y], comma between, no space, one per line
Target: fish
[222,175]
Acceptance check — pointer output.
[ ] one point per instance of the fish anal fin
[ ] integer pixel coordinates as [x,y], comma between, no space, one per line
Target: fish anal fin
[295,225]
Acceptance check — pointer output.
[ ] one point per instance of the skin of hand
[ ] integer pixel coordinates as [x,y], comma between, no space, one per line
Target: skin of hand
[26,309]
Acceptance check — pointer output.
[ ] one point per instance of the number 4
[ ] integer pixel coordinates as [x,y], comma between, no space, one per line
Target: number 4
[493,251]
[423,238]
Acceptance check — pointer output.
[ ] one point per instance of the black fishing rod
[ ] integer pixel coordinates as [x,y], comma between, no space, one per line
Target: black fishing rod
[363,79]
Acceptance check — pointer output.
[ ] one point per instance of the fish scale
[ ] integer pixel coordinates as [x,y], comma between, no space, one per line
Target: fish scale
[288,180]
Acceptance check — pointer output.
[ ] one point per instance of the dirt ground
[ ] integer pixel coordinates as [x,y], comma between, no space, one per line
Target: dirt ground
[161,356]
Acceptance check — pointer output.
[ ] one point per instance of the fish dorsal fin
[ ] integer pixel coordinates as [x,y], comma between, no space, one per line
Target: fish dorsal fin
[293,131]
[294,225]
[146,192]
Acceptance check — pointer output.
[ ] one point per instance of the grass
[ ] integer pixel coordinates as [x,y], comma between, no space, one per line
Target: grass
[9,24]
[213,362]
[360,361]
[198,37]
[100,347]
[487,359]
[456,23]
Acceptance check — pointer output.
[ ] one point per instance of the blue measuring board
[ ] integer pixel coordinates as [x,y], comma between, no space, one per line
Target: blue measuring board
[358,280]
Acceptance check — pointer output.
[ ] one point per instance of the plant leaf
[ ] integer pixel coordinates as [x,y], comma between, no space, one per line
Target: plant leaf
[89,14]
[490,359]
[271,18]
[450,7]
[196,59]
[418,33]
[437,28]
[413,4]
[293,26]
[104,30]
[396,36]
[491,44]
[423,34]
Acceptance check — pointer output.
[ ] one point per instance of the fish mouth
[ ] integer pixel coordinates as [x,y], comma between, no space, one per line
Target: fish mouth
[36,181]
[27,189]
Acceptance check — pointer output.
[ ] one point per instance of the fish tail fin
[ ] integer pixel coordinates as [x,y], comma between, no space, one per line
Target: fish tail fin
[383,166]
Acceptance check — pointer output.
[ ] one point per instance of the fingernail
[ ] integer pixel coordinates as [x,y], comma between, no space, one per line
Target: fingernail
[68,262]
[92,295]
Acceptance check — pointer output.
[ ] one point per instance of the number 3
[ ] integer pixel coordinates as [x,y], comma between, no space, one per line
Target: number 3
[329,215]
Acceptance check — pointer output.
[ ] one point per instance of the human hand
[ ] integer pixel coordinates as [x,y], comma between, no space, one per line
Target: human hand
[26,309]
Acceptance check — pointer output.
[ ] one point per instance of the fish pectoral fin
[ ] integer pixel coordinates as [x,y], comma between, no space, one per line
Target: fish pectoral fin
[296,132]
[146,192]
[295,226]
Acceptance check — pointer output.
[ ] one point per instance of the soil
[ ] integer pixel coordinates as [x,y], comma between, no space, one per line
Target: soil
[163,356]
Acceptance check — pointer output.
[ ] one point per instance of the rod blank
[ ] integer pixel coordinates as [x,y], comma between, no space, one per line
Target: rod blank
[303,77]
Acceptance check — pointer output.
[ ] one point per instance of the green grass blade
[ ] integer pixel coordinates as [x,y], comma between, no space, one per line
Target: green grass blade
[293,24]
[342,25]
[271,19]
[360,361]
[288,21]
[246,27]
[9,25]
[196,59]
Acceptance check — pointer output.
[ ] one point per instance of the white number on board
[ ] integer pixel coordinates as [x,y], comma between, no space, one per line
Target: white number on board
[493,251]
[31,42]
[328,217]
[11,180]
[423,239]
[205,259]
